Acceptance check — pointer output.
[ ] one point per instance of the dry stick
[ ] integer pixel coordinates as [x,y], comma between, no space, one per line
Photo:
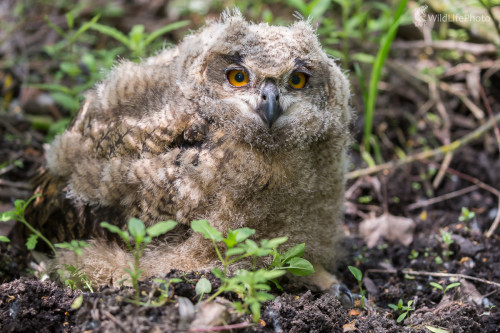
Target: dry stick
[469,178]
[446,128]
[459,143]
[411,272]
[444,197]
[496,222]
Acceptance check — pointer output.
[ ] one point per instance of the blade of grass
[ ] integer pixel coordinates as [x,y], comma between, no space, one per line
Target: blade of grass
[173,26]
[376,73]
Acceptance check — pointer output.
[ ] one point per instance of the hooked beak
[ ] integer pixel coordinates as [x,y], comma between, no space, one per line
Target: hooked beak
[269,109]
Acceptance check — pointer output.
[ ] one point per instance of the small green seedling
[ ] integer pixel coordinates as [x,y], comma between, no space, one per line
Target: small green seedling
[443,289]
[164,289]
[74,278]
[403,310]
[203,286]
[413,254]
[358,275]
[18,214]
[136,239]
[466,215]
[446,241]
[251,286]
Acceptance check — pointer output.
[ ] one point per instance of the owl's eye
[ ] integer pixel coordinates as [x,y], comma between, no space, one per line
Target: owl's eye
[237,77]
[298,80]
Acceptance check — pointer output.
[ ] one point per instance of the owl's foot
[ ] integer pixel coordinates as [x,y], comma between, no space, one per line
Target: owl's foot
[340,291]
[327,282]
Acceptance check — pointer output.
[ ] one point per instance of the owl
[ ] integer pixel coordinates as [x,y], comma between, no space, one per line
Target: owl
[241,124]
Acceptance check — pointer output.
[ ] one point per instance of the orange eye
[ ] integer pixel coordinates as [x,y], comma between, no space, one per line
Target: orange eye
[298,80]
[237,77]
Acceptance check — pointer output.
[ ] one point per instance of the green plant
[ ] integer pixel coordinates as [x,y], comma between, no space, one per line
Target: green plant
[203,286]
[137,40]
[18,214]
[413,254]
[445,289]
[164,289]
[403,310]
[136,239]
[372,91]
[446,242]
[74,278]
[251,286]
[358,275]
[466,215]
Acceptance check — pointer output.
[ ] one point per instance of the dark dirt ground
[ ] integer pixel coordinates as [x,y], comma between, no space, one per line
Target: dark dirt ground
[30,305]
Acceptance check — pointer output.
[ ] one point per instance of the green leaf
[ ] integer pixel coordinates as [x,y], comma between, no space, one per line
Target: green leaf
[453,285]
[300,267]
[319,8]
[269,275]
[77,303]
[161,228]
[275,242]
[401,317]
[70,20]
[243,233]
[7,216]
[255,309]
[356,272]
[203,286]
[296,251]
[234,251]
[136,229]
[31,242]
[64,245]
[114,229]
[393,306]
[436,285]
[217,273]
[4,239]
[203,227]
[111,32]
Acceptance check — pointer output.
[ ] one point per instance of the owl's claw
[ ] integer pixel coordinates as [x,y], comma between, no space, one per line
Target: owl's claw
[340,291]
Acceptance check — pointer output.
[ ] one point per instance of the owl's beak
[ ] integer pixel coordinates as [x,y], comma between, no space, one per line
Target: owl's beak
[269,109]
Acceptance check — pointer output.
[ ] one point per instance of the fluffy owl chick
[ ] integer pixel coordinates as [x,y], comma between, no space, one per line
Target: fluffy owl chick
[241,124]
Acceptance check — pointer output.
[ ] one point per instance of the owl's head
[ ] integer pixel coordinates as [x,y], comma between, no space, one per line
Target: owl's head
[270,86]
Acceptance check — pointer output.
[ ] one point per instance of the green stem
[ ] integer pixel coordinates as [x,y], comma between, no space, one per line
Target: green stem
[36,232]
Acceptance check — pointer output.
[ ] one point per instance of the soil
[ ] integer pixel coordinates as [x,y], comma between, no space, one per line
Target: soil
[393,270]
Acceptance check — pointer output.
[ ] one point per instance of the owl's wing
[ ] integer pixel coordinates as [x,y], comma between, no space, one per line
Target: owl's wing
[118,156]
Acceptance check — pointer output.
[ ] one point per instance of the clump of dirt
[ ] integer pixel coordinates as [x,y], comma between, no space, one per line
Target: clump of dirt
[35,306]
[306,313]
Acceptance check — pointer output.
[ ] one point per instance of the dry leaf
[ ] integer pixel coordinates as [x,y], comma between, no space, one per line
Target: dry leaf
[395,229]
[349,327]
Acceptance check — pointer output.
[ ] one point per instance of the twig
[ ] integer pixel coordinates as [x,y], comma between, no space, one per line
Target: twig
[221,328]
[472,48]
[470,179]
[443,197]
[496,222]
[20,185]
[459,143]
[114,320]
[412,272]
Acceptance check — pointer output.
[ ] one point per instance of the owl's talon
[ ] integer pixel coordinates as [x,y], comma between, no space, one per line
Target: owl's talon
[343,294]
